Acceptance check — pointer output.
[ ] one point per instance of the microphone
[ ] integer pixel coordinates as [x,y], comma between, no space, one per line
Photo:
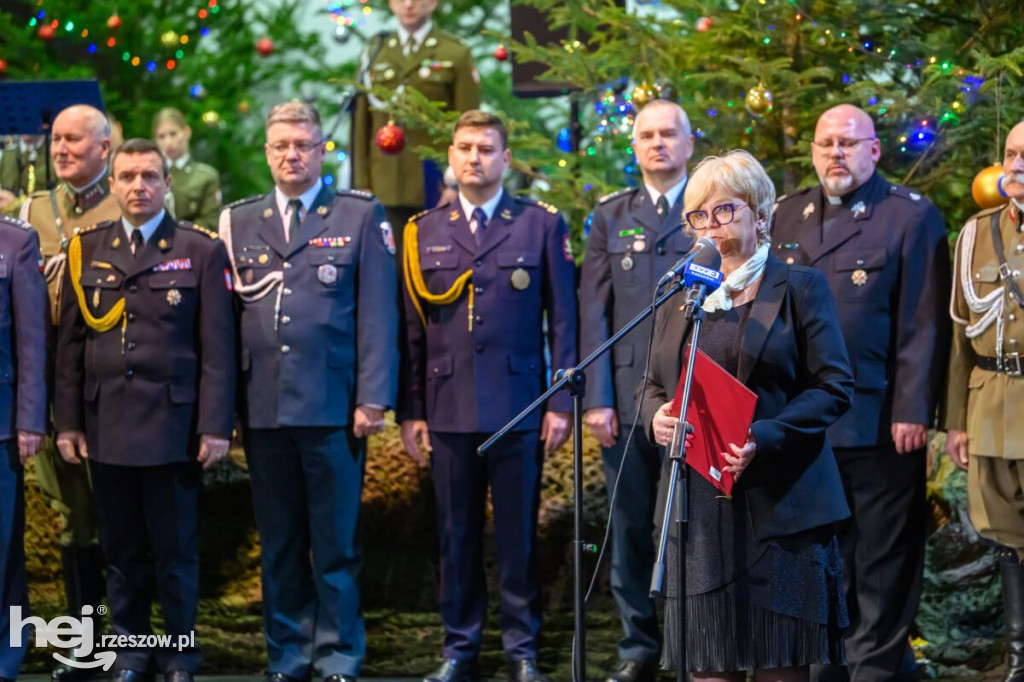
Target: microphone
[677,269]
[701,276]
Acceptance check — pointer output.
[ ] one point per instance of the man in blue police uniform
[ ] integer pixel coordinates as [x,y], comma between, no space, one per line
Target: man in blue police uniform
[480,274]
[315,276]
[635,236]
[145,386]
[883,249]
[24,319]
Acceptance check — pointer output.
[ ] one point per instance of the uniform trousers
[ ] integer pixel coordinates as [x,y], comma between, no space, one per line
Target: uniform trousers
[512,470]
[149,527]
[13,588]
[995,500]
[882,544]
[632,536]
[306,486]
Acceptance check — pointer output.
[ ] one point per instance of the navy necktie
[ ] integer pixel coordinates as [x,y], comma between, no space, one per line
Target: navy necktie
[137,242]
[296,221]
[481,224]
[663,207]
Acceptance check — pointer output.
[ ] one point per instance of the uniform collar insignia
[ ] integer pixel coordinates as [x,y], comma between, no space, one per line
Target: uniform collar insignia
[857,209]
[453,216]
[506,214]
[808,210]
[88,197]
[267,212]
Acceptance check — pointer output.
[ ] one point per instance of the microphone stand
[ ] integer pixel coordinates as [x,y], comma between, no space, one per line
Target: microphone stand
[575,380]
[678,481]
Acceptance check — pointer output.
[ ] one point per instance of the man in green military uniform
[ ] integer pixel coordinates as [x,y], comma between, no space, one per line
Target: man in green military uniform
[421,56]
[23,171]
[985,433]
[79,150]
[195,186]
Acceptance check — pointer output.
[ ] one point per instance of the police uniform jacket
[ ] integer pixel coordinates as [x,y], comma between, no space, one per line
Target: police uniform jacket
[472,371]
[196,191]
[442,71]
[983,402]
[58,213]
[629,249]
[886,259]
[165,372]
[331,343]
[23,325]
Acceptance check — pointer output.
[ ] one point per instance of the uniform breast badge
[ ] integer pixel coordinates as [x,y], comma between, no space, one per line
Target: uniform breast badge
[859,278]
[639,244]
[173,296]
[327,273]
[263,259]
[627,262]
[808,210]
[520,279]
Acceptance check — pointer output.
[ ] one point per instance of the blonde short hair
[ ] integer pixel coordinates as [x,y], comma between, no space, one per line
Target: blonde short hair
[737,173]
[295,112]
[169,115]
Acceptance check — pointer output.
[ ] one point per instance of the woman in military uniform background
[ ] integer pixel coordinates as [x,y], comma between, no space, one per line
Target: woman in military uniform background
[194,186]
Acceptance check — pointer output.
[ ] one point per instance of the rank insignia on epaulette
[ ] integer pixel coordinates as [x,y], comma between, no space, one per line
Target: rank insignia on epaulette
[176,264]
[547,207]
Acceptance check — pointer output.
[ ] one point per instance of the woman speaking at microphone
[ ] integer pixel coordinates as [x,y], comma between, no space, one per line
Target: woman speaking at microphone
[764,585]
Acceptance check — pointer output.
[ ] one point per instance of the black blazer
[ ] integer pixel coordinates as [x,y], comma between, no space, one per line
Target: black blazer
[793,357]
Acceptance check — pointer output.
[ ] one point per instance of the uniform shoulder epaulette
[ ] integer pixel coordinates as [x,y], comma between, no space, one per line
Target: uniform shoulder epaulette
[988,211]
[187,225]
[14,222]
[793,195]
[420,214]
[905,192]
[242,202]
[538,203]
[102,225]
[624,192]
[361,193]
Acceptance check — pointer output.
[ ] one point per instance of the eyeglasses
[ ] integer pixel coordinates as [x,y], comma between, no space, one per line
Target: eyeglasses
[281,148]
[723,215]
[845,144]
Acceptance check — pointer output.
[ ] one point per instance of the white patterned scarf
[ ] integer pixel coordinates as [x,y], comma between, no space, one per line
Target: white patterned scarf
[738,280]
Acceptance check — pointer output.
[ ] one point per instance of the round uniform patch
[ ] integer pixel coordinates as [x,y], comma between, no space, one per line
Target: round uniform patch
[859,278]
[327,273]
[639,245]
[263,259]
[520,279]
[627,262]
[174,297]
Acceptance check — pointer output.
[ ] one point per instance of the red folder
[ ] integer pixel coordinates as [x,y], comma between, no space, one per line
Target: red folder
[721,410]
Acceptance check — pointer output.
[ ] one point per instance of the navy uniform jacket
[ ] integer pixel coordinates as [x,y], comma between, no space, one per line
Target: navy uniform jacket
[23,327]
[464,381]
[886,259]
[629,249]
[333,342]
[144,390]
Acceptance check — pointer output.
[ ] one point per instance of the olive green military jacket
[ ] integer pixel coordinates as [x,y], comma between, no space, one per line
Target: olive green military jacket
[986,404]
[442,70]
[20,174]
[196,190]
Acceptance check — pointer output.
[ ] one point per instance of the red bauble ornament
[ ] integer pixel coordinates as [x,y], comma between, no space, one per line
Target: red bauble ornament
[391,139]
[703,24]
[501,53]
[265,46]
[46,32]
[113,22]
[3,66]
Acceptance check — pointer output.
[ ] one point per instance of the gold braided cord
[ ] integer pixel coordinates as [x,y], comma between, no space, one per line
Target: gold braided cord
[113,316]
[414,277]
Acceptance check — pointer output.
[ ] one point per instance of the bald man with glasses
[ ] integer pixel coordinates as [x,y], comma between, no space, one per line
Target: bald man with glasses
[883,249]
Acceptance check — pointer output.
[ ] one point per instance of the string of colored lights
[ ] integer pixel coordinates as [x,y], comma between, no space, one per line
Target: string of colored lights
[170,40]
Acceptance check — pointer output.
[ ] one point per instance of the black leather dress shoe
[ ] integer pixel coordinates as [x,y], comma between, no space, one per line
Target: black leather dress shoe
[339,678]
[67,673]
[178,676]
[280,677]
[525,671]
[125,675]
[456,670]
[633,671]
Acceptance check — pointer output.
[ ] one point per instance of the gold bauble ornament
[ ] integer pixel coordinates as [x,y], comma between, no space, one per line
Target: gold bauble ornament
[169,38]
[985,188]
[759,100]
[642,94]
[211,118]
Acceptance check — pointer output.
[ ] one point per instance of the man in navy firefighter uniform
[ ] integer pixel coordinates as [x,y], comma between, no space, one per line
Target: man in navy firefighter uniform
[480,274]
[635,237]
[883,249]
[145,387]
[315,279]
